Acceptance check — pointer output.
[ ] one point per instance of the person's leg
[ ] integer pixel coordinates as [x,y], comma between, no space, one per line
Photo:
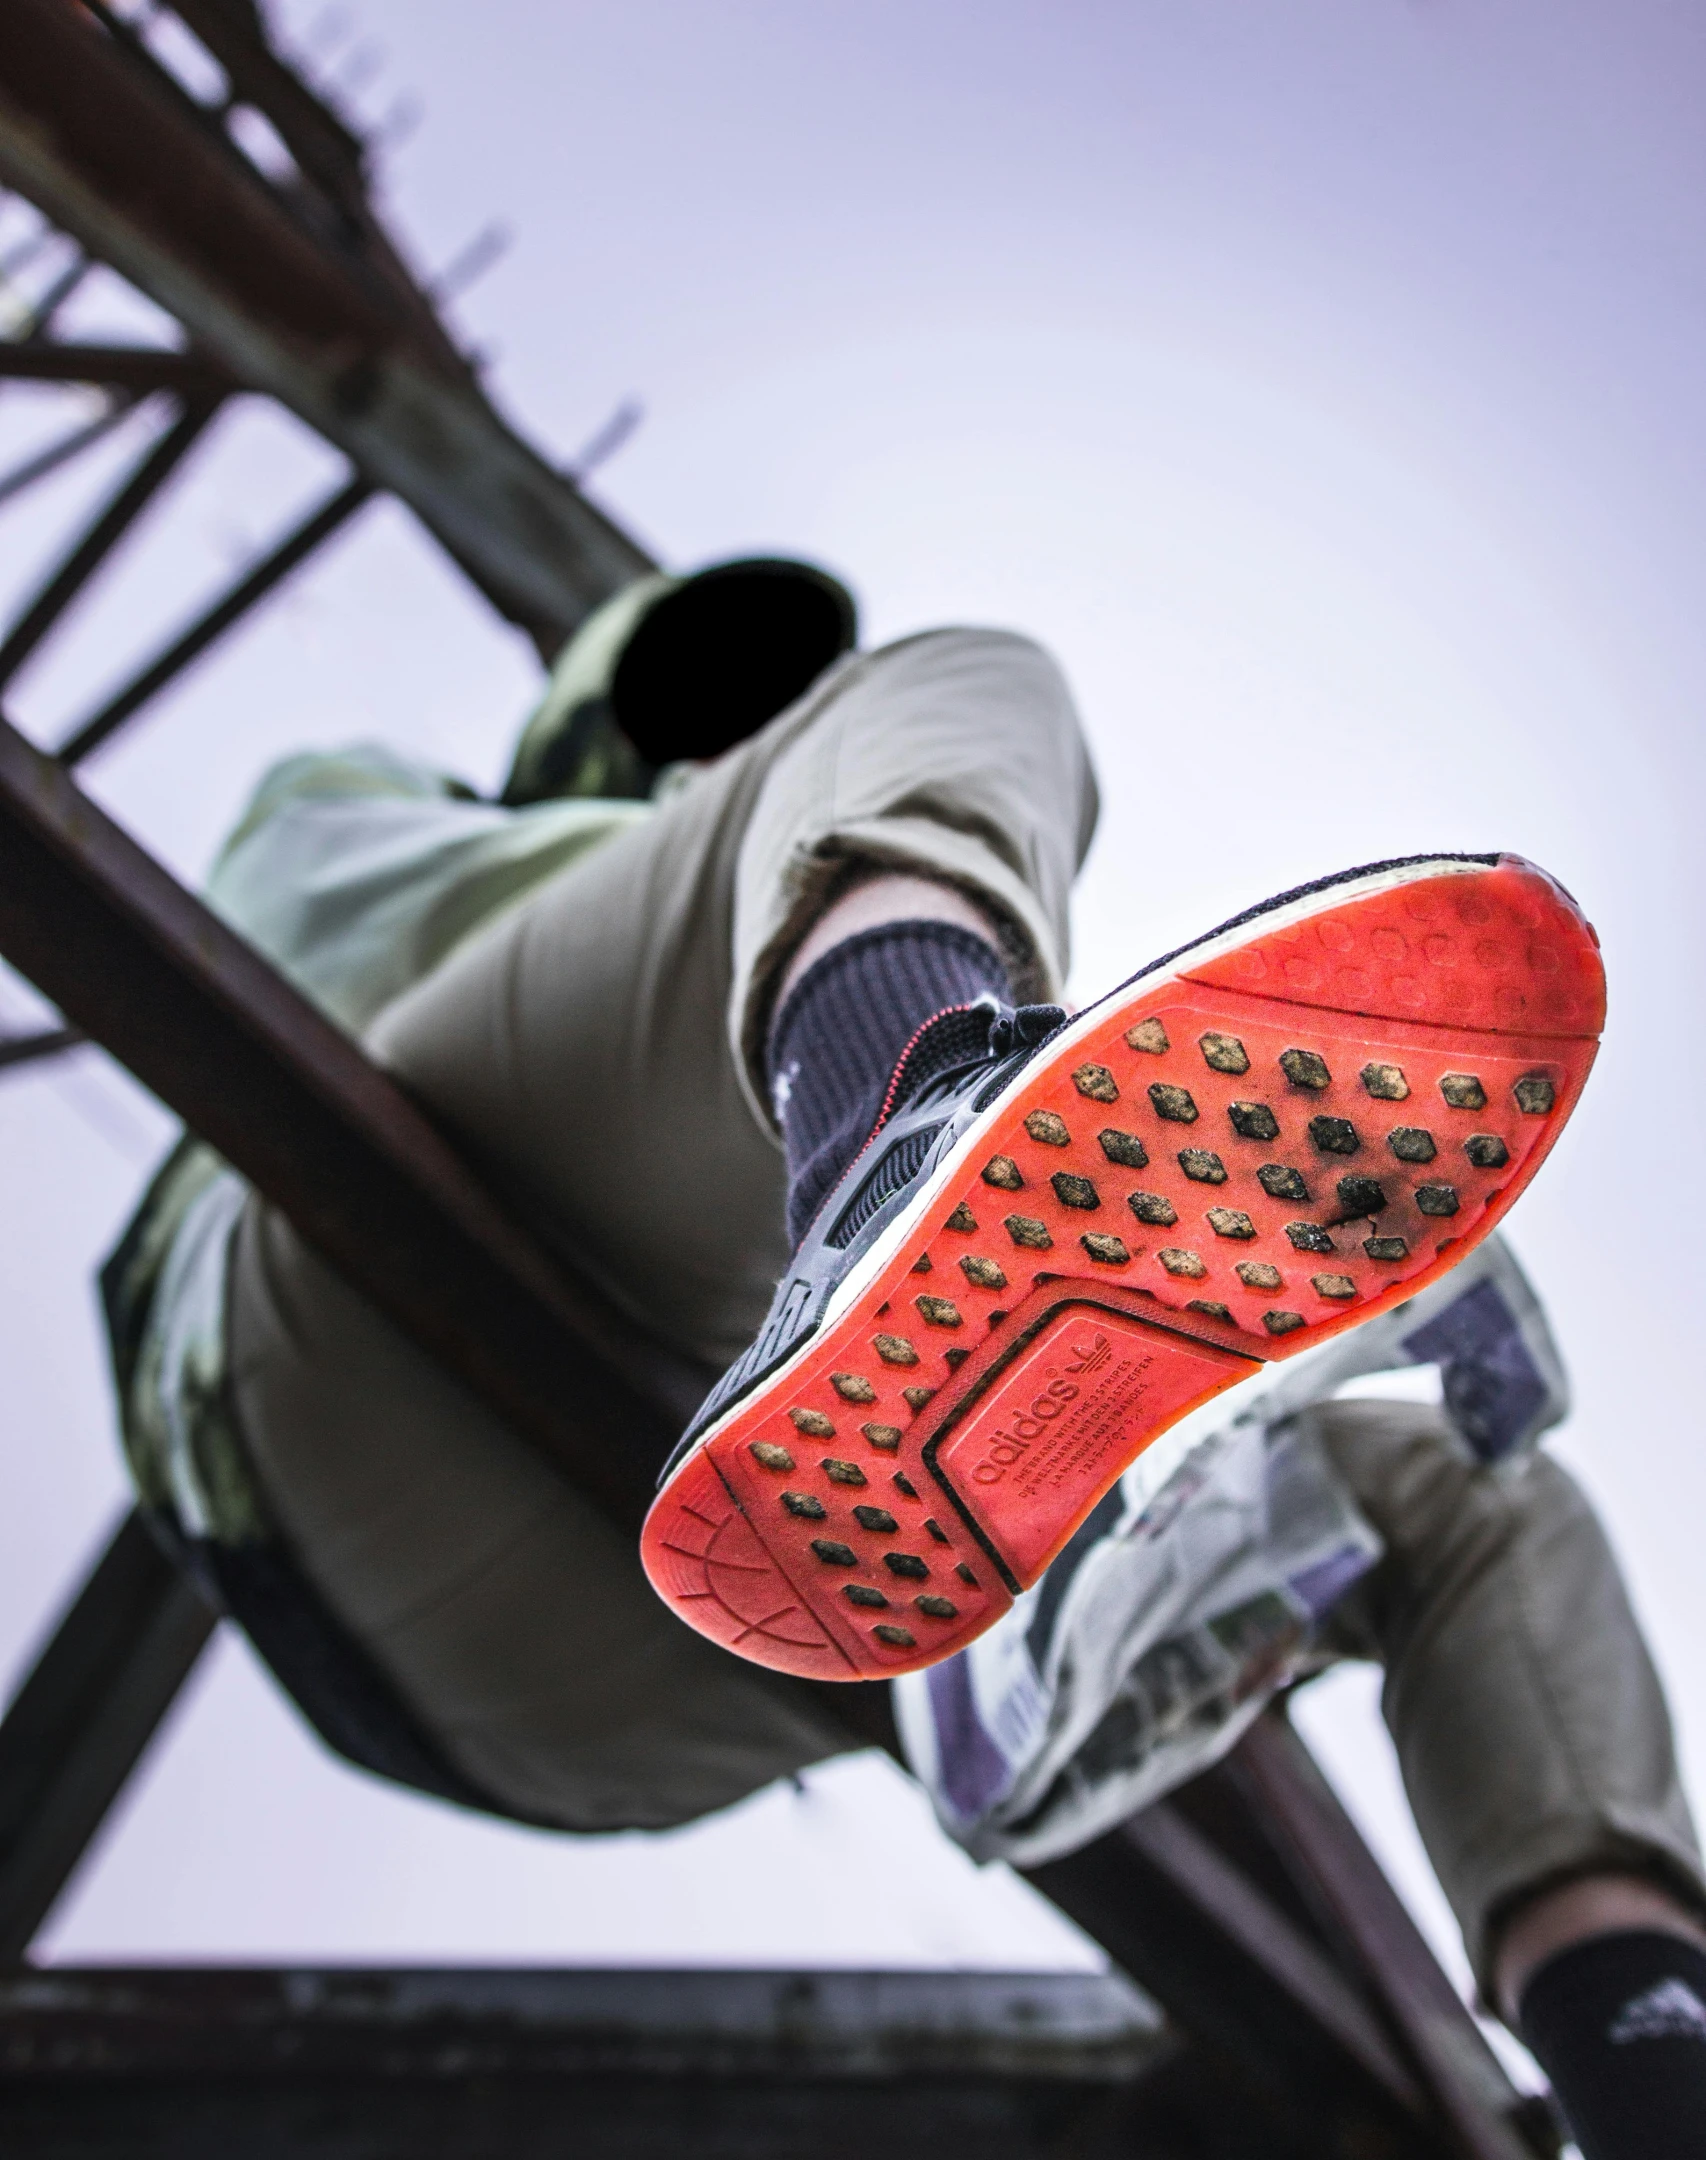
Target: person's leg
[1616,2015]
[880,900]
[601,1051]
[506,1613]
[1579,1911]
[1534,1742]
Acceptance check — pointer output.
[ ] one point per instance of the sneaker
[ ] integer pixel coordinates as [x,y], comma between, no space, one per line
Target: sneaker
[1066,1235]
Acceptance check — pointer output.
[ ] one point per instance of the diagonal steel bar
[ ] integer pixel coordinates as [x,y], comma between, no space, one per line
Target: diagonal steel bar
[18,1050]
[1284,1788]
[213,622]
[327,151]
[1263,2001]
[136,368]
[43,315]
[82,1719]
[1268,1942]
[137,491]
[48,461]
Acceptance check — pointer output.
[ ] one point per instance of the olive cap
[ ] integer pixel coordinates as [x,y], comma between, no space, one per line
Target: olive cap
[679,667]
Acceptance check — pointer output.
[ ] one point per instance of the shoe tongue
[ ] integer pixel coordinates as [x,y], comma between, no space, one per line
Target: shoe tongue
[968,1035]
[1024,1028]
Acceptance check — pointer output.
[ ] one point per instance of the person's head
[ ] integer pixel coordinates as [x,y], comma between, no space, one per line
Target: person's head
[679,668]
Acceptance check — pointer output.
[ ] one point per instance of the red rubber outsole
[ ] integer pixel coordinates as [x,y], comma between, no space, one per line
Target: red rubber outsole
[1174,1191]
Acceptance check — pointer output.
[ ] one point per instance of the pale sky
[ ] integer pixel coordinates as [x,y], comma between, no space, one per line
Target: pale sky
[1321,380]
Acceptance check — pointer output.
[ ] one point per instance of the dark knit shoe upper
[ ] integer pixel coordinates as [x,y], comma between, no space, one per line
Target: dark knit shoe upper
[837,1039]
[947,1074]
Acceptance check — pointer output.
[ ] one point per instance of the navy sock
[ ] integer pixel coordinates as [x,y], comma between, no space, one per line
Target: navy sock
[838,1036]
[1618,2024]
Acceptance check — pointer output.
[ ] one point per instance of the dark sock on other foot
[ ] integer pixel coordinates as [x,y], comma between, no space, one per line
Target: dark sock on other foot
[1619,2026]
[838,1036]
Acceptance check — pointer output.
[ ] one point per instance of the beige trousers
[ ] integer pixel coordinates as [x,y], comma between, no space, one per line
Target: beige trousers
[1530,1725]
[598,1048]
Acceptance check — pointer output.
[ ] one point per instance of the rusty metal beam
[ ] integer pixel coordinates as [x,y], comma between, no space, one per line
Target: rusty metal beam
[136,368]
[625,2065]
[1087,2028]
[326,148]
[327,195]
[88,136]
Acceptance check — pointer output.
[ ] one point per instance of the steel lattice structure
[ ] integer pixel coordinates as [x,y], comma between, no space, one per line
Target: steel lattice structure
[1300,2011]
